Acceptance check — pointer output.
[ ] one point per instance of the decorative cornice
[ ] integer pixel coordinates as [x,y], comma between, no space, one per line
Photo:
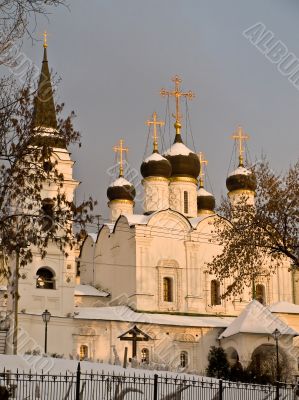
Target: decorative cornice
[201,212]
[155,178]
[121,201]
[183,179]
[242,191]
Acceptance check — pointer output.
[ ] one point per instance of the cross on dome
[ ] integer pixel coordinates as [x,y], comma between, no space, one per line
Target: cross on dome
[120,149]
[240,136]
[202,162]
[177,93]
[45,34]
[155,123]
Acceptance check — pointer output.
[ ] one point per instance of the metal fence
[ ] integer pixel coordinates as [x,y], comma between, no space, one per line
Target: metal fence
[103,386]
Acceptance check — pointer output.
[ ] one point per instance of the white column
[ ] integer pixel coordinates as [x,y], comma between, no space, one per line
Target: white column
[156,194]
[183,190]
[120,207]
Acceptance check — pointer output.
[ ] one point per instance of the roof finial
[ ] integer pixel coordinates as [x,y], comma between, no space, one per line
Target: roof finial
[45,39]
[120,149]
[177,93]
[155,123]
[240,136]
[202,162]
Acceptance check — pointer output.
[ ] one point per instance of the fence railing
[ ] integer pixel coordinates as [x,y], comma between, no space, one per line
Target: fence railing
[110,386]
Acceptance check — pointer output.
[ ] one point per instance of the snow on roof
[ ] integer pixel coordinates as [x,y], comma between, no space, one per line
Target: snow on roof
[240,171]
[178,149]
[203,192]
[124,313]
[154,157]
[120,182]
[256,318]
[195,221]
[284,307]
[3,288]
[137,219]
[87,290]
[93,236]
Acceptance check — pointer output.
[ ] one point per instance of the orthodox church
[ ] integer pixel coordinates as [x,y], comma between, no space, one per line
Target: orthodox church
[144,293]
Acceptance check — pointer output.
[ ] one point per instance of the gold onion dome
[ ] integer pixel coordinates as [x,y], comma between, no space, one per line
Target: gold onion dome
[121,189]
[241,179]
[184,162]
[205,200]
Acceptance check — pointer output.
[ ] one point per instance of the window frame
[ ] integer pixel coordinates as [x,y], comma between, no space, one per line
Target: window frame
[168,293]
[48,281]
[186,202]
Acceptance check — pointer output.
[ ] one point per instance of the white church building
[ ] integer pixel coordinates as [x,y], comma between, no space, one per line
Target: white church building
[144,288]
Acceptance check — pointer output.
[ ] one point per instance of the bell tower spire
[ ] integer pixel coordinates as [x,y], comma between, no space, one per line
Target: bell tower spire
[44,114]
[120,149]
[154,122]
[240,136]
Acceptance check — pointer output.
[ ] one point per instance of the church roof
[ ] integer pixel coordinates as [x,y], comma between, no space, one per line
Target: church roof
[87,290]
[284,307]
[257,319]
[125,314]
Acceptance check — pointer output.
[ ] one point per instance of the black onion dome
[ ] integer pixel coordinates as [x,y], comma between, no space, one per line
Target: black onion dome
[184,162]
[205,200]
[241,179]
[155,165]
[121,189]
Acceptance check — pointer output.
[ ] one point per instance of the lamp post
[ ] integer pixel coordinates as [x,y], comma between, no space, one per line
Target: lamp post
[46,318]
[276,335]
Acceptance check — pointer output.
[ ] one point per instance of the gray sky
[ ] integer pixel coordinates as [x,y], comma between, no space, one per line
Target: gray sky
[114,56]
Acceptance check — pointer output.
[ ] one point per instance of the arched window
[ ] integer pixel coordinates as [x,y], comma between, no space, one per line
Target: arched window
[184,359]
[47,219]
[145,356]
[83,352]
[167,290]
[260,293]
[186,202]
[45,279]
[215,293]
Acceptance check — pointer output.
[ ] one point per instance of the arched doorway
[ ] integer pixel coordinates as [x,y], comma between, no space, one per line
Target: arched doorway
[263,365]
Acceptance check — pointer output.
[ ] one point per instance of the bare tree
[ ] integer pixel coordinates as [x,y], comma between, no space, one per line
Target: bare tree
[258,238]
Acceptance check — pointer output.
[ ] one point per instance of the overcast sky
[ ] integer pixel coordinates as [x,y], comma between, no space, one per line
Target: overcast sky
[114,56]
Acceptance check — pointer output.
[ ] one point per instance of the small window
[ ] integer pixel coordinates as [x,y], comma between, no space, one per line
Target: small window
[45,279]
[83,352]
[47,214]
[186,202]
[184,359]
[145,356]
[167,289]
[260,293]
[215,293]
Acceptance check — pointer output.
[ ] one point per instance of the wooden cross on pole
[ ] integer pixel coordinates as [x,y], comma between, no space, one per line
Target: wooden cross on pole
[155,123]
[202,162]
[240,136]
[120,149]
[136,335]
[177,94]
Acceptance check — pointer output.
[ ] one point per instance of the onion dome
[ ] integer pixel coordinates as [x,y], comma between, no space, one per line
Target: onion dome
[121,189]
[155,165]
[205,201]
[184,162]
[241,179]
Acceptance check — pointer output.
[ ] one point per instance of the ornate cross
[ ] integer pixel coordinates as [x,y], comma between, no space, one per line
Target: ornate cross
[177,93]
[239,136]
[155,123]
[202,162]
[120,149]
[45,39]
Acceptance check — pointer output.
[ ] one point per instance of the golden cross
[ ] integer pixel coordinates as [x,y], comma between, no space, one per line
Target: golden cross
[239,135]
[155,123]
[177,93]
[120,149]
[202,162]
[45,39]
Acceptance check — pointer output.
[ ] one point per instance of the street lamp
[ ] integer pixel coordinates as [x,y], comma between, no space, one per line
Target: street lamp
[276,335]
[46,318]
